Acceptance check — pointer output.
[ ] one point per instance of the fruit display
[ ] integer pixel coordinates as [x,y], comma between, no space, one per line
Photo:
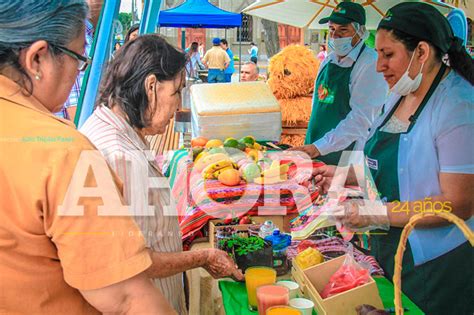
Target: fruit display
[308,258]
[231,161]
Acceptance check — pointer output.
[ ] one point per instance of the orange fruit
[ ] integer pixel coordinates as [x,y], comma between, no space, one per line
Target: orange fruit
[198,142]
[230,177]
[214,143]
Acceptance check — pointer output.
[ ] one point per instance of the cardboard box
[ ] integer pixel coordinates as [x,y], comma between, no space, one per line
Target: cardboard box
[313,280]
[281,221]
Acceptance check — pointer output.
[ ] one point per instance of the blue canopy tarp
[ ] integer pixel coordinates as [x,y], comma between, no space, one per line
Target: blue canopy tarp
[198,14]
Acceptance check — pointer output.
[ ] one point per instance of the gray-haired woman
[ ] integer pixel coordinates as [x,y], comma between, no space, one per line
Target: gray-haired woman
[54,260]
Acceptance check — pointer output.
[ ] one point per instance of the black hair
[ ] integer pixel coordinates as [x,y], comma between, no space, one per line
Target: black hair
[22,24]
[124,81]
[460,61]
[224,41]
[194,47]
[132,29]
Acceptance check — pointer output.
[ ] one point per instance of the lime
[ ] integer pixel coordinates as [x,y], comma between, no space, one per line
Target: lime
[231,143]
[248,140]
[241,146]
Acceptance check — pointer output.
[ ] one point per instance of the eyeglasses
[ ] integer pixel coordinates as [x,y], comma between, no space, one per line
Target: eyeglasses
[83,61]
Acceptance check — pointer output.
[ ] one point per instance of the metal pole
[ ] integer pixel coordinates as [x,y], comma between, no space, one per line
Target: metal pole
[183,38]
[150,16]
[101,55]
[239,30]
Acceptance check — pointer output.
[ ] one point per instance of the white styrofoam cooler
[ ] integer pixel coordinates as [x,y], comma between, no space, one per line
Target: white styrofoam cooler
[223,110]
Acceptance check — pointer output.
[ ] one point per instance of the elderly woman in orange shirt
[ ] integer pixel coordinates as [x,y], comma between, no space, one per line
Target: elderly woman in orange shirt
[52,262]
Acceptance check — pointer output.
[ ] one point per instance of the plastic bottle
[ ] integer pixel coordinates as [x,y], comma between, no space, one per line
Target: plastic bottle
[280,243]
[266,229]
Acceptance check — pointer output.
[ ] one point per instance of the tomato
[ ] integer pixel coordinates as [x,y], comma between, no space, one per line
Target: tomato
[245,220]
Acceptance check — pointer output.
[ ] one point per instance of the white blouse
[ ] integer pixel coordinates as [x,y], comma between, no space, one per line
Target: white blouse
[441,141]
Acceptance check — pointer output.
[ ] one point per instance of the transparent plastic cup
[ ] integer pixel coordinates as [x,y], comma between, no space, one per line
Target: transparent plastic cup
[271,295]
[256,277]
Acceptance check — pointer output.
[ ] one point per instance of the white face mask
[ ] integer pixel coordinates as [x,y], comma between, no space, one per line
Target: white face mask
[341,46]
[406,85]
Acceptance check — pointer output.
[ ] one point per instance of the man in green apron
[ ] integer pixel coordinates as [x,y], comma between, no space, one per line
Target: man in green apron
[348,92]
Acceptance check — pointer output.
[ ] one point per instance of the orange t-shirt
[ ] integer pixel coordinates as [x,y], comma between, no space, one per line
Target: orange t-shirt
[46,257]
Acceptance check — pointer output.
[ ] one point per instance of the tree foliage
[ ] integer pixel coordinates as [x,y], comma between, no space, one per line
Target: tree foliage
[126,20]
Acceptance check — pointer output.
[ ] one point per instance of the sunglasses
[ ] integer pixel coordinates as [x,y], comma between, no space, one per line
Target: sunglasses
[83,61]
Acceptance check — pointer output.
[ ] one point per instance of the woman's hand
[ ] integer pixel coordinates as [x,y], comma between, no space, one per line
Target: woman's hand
[309,149]
[220,265]
[323,177]
[363,215]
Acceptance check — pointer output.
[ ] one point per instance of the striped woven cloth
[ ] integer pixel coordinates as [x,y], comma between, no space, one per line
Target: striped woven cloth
[199,201]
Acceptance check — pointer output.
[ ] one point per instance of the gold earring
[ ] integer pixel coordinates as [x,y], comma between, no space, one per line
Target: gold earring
[37,76]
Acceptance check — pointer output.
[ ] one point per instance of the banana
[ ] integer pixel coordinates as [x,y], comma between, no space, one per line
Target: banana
[208,176]
[270,180]
[219,171]
[216,166]
[203,162]
[275,171]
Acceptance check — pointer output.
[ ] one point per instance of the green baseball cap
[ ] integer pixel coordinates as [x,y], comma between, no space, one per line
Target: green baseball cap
[345,13]
[422,21]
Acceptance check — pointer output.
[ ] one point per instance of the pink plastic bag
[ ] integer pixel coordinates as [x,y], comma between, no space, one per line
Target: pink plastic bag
[348,276]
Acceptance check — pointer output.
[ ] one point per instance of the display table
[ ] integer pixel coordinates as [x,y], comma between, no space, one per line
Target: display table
[208,296]
[234,296]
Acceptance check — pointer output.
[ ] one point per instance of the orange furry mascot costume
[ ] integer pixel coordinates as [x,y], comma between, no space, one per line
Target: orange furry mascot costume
[292,73]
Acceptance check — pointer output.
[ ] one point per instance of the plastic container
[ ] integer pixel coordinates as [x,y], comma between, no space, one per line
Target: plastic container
[235,110]
[267,229]
[280,243]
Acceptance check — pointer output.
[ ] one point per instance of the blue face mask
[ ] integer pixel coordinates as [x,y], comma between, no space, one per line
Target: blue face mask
[341,46]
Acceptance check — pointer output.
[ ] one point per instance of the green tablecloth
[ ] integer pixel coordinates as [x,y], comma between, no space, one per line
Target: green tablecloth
[234,297]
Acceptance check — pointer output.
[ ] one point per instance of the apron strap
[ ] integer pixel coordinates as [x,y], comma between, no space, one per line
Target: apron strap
[360,53]
[433,87]
[425,100]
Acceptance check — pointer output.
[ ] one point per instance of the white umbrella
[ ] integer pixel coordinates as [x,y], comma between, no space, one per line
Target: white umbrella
[307,13]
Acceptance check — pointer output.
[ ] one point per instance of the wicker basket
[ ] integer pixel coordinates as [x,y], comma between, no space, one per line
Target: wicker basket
[397,277]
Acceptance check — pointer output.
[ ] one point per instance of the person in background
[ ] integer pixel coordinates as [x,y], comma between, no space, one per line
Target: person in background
[201,49]
[249,72]
[132,33]
[194,60]
[348,93]
[70,106]
[420,155]
[230,68]
[138,97]
[54,259]
[216,59]
[117,46]
[322,53]
[253,51]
